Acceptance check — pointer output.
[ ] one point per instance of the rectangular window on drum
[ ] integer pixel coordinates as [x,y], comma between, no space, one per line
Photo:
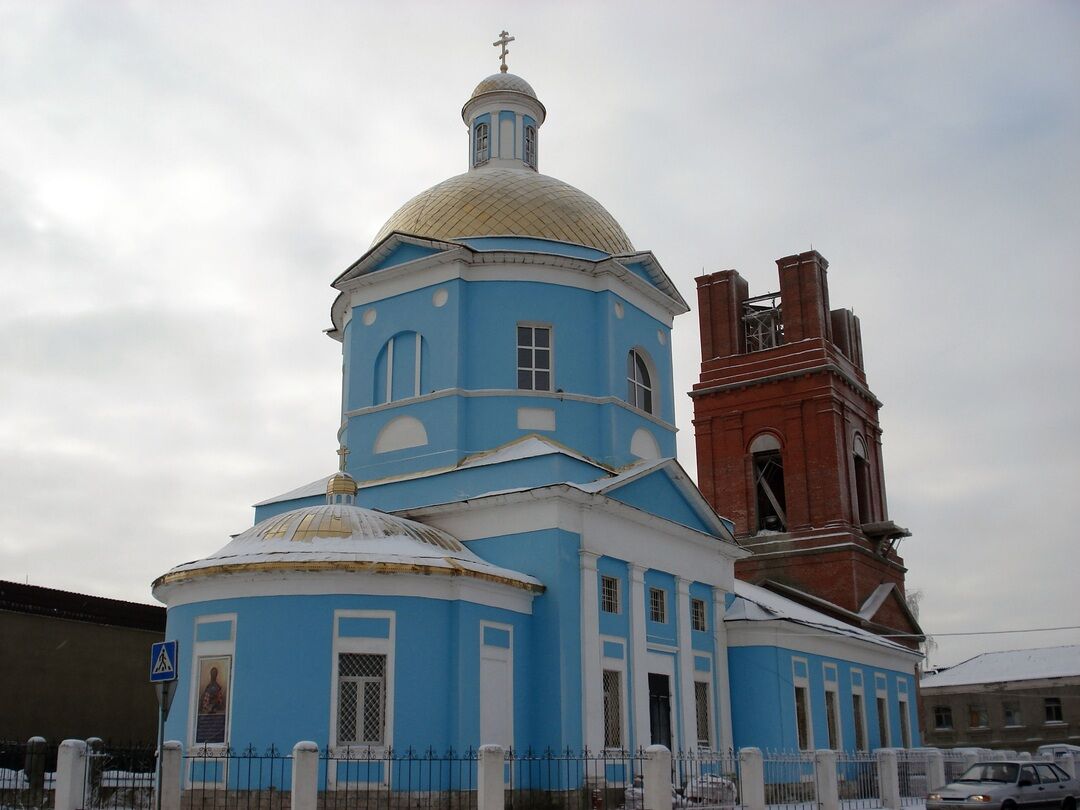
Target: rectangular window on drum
[534,357]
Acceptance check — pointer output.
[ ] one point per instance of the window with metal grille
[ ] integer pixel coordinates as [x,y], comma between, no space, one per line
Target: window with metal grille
[639,391]
[613,736]
[361,698]
[480,144]
[530,146]
[534,358]
[609,594]
[943,717]
[697,614]
[658,605]
[1052,710]
[701,707]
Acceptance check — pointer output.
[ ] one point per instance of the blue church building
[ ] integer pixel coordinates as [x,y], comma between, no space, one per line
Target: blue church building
[510,551]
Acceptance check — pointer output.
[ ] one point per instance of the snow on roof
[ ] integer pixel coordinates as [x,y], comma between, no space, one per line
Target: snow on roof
[526,447]
[1010,665]
[756,604]
[317,487]
[612,481]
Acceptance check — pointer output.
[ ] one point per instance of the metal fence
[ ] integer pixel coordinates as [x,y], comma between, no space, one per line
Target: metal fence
[954,765]
[118,778]
[27,775]
[857,780]
[383,779]
[789,779]
[216,778]
[912,773]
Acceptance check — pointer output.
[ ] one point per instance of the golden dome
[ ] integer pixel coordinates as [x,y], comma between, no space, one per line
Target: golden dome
[508,202]
[341,484]
[503,82]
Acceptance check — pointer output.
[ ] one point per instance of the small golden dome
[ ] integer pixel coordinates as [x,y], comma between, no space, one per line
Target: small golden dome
[508,202]
[503,82]
[340,484]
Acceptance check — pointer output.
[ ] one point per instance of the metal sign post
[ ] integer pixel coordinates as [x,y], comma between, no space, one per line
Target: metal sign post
[164,664]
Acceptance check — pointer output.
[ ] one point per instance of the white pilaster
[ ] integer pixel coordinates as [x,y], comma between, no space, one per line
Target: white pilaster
[720,670]
[687,709]
[639,667]
[591,677]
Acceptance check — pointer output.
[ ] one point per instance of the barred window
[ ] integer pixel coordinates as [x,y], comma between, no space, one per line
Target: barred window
[613,736]
[361,698]
[697,614]
[480,145]
[701,706]
[534,358]
[609,594]
[658,605]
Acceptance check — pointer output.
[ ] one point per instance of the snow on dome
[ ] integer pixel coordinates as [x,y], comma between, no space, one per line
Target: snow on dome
[503,82]
[344,537]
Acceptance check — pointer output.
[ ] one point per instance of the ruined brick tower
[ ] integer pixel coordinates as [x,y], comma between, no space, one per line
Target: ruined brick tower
[789,445]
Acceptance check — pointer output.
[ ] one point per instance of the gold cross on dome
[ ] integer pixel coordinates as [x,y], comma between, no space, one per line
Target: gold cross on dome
[503,40]
[343,453]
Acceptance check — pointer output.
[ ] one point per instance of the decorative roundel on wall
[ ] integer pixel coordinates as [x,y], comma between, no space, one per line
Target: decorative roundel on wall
[369,316]
[661,337]
[618,309]
[440,297]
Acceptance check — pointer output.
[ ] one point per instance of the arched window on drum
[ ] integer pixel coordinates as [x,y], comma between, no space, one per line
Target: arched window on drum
[399,368]
[639,381]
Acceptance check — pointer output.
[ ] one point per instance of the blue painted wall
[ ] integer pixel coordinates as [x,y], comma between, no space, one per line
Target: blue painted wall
[658,495]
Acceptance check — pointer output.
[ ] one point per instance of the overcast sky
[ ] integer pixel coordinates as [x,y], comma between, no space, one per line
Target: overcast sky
[179,183]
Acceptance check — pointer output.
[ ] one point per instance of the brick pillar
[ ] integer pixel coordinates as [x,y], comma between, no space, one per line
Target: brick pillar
[720,300]
[804,292]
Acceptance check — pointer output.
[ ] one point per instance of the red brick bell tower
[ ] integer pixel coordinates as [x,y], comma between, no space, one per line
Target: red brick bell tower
[789,445]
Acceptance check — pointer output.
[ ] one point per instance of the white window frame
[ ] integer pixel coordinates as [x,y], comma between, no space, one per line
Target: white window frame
[802,682]
[859,718]
[502,654]
[530,146]
[710,726]
[1060,707]
[703,625]
[635,394]
[390,366]
[833,687]
[881,693]
[481,146]
[363,646]
[212,649]
[616,665]
[657,607]
[616,594]
[532,369]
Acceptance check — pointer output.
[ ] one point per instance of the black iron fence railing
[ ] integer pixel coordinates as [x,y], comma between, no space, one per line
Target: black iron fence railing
[27,774]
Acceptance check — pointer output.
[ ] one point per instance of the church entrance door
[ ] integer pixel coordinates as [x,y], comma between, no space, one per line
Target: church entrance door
[660,709]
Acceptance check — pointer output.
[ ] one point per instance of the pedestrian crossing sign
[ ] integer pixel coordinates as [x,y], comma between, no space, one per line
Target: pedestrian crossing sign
[164,658]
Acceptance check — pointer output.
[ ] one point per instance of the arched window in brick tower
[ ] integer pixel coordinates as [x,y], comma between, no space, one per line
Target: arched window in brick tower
[768,471]
[862,481]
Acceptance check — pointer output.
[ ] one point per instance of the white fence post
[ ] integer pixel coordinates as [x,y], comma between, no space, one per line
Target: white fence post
[70,775]
[1071,763]
[172,757]
[752,778]
[828,794]
[970,758]
[489,781]
[657,773]
[305,775]
[935,769]
[888,778]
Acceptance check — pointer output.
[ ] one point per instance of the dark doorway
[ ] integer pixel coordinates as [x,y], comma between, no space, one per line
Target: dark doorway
[660,709]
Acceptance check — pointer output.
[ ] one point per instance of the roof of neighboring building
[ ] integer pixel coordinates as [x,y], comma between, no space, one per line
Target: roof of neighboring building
[1010,665]
[16,597]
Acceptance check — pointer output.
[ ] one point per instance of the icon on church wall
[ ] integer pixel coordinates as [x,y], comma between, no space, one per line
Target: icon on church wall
[212,708]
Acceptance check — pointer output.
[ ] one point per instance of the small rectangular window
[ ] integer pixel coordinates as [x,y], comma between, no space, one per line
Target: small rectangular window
[884,737]
[613,735]
[905,725]
[802,717]
[697,614]
[858,713]
[534,358]
[978,717]
[832,717]
[530,146]
[1052,710]
[609,594]
[701,707]
[658,605]
[480,144]
[943,717]
[1011,710]
[361,698]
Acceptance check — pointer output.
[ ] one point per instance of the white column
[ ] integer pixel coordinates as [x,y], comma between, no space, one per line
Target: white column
[828,794]
[657,777]
[888,778]
[489,778]
[935,769]
[639,668]
[688,708]
[305,776]
[720,666]
[172,759]
[752,778]
[592,696]
[70,775]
